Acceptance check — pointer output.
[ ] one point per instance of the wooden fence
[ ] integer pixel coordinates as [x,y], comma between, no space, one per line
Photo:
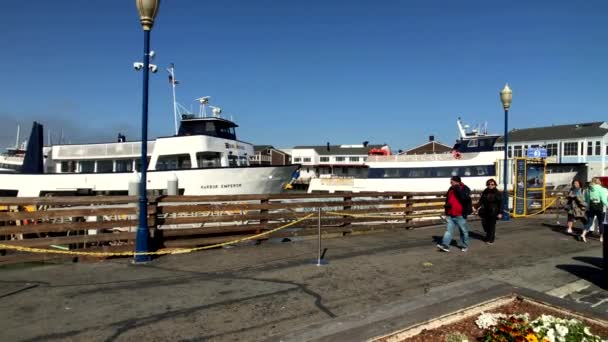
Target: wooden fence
[108,223]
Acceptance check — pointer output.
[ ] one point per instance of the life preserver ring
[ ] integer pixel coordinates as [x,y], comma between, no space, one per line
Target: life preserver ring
[456,154]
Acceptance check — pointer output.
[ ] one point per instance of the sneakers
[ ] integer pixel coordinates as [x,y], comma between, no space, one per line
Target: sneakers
[489,243]
[443,248]
[464,249]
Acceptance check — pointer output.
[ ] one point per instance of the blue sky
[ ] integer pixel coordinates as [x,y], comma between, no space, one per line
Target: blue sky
[305,72]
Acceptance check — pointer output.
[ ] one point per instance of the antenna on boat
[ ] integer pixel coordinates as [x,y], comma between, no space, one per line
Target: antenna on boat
[216,111]
[202,102]
[17,142]
[461,129]
[173,82]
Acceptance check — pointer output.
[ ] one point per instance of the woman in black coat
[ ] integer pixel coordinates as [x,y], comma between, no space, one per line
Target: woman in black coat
[489,208]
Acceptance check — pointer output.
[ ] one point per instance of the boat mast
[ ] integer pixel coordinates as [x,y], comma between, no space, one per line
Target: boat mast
[17,142]
[173,82]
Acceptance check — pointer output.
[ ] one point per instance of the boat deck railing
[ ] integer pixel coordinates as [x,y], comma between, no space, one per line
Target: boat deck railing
[111,150]
[421,157]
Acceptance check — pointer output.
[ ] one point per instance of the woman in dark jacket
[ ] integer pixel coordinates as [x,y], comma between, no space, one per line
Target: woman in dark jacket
[489,208]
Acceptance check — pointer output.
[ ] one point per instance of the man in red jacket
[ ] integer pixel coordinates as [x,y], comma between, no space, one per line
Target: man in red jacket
[457,206]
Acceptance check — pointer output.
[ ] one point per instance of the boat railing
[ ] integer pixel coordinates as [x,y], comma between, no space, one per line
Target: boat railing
[11,159]
[126,149]
[421,157]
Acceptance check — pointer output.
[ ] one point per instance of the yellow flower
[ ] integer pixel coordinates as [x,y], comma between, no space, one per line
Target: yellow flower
[531,338]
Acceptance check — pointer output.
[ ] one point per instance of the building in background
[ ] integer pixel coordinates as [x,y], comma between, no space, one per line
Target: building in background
[320,161]
[430,147]
[567,145]
[268,155]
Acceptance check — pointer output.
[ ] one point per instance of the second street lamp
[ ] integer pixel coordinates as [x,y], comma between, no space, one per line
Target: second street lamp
[506,95]
[147,12]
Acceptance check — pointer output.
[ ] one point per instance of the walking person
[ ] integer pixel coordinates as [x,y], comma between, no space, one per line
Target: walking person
[457,207]
[576,205]
[596,198]
[489,209]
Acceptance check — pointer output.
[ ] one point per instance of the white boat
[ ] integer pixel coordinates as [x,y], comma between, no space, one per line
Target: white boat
[473,159]
[12,159]
[204,156]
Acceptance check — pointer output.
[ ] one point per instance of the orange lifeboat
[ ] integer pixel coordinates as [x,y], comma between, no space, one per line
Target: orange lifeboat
[383,151]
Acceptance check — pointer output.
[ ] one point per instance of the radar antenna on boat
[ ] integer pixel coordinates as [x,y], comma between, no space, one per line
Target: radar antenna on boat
[216,111]
[202,101]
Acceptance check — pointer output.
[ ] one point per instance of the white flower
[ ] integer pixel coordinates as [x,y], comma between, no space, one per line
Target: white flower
[561,330]
[551,335]
[486,320]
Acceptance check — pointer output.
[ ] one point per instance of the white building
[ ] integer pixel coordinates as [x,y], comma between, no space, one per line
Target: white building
[585,143]
[330,160]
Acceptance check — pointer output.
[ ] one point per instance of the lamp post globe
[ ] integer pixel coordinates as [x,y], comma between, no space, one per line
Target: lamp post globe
[148,9]
[506,95]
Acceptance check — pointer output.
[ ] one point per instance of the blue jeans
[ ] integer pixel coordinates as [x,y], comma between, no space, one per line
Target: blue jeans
[461,222]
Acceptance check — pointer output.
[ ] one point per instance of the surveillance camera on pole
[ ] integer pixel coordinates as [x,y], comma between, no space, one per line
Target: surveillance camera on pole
[152,67]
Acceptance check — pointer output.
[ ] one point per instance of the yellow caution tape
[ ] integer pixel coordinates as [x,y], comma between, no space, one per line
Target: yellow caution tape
[162,252]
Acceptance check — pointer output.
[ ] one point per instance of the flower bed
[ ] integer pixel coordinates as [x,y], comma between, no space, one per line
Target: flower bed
[517,320]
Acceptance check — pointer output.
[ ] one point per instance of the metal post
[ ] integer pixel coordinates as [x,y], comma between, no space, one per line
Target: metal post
[505,196]
[143,235]
[320,254]
[319,239]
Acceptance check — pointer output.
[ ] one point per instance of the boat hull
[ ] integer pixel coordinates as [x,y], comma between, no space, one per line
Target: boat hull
[212,181]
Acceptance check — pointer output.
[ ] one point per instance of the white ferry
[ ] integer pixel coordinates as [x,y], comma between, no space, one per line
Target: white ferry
[204,156]
[472,158]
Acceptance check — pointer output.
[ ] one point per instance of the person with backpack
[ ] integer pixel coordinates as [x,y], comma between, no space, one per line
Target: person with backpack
[489,208]
[576,205]
[596,198]
[457,207]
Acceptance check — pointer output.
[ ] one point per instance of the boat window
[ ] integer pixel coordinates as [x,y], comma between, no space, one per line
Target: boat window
[208,159]
[124,165]
[138,164]
[87,166]
[8,193]
[232,161]
[68,166]
[209,127]
[433,172]
[104,166]
[173,162]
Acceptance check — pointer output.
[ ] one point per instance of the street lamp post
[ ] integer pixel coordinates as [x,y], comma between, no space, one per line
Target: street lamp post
[147,12]
[505,97]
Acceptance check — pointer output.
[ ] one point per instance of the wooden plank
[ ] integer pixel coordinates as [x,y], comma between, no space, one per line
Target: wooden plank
[93,211]
[229,198]
[211,230]
[275,206]
[64,240]
[68,200]
[184,243]
[65,227]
